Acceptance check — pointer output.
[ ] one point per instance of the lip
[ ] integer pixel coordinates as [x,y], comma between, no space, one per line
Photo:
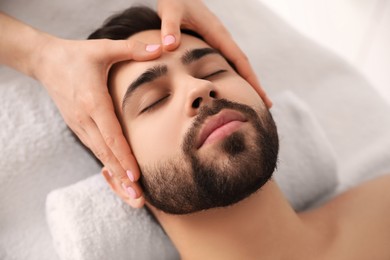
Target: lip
[216,122]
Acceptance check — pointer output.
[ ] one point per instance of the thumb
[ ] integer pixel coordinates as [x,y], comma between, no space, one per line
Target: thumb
[171,17]
[120,50]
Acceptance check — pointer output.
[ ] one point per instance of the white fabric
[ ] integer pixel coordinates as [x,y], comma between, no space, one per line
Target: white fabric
[88,221]
[38,155]
[307,168]
[78,215]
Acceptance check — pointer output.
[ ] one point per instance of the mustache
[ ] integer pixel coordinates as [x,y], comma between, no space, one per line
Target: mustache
[209,110]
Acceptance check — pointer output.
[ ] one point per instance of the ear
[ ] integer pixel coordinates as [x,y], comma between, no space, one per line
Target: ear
[116,187]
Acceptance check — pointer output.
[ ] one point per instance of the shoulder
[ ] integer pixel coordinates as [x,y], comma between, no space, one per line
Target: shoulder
[369,198]
[361,219]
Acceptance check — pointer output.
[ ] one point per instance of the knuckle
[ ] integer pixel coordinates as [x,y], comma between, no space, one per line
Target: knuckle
[84,101]
[79,117]
[103,155]
[95,104]
[130,45]
[88,101]
[123,159]
[110,140]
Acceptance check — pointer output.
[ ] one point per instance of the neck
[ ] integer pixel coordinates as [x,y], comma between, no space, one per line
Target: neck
[263,225]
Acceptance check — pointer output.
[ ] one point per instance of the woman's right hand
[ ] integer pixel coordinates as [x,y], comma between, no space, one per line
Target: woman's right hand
[75,75]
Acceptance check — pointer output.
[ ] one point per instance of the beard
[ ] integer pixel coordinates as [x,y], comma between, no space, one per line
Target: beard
[227,172]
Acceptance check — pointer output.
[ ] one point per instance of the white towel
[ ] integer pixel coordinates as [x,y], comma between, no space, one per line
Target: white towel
[88,222]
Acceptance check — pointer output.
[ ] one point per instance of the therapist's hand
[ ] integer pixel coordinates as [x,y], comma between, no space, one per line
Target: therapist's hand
[194,15]
[75,75]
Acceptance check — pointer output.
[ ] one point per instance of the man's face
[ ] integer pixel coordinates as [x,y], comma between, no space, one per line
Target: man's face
[202,136]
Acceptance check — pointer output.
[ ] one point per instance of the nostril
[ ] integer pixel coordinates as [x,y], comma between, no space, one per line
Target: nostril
[213,94]
[196,103]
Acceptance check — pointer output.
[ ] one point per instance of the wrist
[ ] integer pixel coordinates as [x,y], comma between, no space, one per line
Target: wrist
[20,45]
[40,55]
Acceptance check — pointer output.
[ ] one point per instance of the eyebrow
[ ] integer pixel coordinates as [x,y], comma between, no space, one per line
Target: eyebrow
[161,70]
[196,54]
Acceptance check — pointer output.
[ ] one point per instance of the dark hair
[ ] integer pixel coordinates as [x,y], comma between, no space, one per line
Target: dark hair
[131,21]
[134,20]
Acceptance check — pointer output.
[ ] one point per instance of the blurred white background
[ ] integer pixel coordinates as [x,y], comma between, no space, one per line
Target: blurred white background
[357,30]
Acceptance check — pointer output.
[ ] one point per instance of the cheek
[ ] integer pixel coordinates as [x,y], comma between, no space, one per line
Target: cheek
[154,138]
[238,90]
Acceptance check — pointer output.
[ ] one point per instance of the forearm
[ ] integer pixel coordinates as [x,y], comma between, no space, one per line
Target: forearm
[20,45]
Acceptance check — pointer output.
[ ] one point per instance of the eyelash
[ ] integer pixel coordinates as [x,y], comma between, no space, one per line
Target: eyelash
[214,73]
[154,105]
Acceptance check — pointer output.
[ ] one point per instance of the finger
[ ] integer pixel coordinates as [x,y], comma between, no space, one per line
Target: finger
[245,70]
[83,138]
[111,131]
[116,186]
[171,13]
[105,155]
[120,50]
[78,132]
[224,42]
[81,119]
[233,53]
[137,203]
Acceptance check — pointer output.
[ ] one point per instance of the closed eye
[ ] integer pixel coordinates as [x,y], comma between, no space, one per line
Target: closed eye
[154,105]
[214,73]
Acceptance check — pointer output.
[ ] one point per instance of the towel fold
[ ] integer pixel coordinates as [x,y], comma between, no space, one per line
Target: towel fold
[87,221]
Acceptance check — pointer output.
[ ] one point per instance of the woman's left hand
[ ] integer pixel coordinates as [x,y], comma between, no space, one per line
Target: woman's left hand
[194,15]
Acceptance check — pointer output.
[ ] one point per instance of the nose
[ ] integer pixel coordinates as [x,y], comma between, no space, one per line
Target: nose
[202,92]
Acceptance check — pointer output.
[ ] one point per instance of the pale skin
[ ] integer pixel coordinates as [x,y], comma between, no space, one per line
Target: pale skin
[354,225]
[81,93]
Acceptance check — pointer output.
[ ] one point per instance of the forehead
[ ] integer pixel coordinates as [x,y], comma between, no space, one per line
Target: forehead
[124,72]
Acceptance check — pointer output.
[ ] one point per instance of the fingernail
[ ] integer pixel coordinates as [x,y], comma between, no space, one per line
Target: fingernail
[109,173]
[130,191]
[130,175]
[152,47]
[169,39]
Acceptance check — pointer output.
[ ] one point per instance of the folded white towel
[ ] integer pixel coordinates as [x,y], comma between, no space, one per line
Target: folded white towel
[87,221]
